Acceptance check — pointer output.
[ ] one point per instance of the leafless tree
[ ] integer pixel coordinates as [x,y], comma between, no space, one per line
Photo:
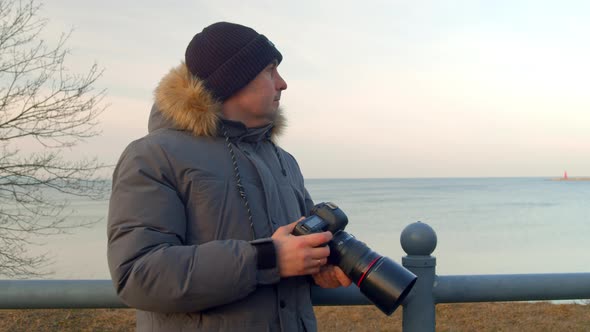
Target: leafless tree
[43,105]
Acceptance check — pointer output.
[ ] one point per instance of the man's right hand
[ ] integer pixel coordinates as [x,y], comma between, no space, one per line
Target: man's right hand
[300,255]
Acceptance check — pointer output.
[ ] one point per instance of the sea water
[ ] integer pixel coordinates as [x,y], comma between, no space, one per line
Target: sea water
[483,225]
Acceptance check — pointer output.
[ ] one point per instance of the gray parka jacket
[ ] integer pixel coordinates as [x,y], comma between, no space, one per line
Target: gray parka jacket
[180,245]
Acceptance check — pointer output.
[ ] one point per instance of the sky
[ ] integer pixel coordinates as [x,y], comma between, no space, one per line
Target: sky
[376,89]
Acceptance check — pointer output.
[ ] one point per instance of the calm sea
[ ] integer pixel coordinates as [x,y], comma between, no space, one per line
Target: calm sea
[483,225]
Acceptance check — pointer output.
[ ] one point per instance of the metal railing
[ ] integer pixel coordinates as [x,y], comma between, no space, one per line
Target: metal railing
[418,241]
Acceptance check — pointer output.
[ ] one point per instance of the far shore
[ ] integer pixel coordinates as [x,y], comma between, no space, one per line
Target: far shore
[584,178]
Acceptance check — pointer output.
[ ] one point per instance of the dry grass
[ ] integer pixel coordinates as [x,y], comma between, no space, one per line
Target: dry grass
[464,317]
[79,320]
[450,317]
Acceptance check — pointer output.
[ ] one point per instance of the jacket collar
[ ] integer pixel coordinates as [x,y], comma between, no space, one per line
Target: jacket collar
[236,130]
[182,102]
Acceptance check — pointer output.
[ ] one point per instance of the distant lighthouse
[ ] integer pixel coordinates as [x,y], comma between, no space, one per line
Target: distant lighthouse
[565,175]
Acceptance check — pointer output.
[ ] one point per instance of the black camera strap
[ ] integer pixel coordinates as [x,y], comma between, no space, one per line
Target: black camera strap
[238,178]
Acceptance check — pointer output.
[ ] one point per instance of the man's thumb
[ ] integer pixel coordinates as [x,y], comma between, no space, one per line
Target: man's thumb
[288,229]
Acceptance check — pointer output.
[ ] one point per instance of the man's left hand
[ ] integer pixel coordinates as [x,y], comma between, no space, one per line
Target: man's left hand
[331,276]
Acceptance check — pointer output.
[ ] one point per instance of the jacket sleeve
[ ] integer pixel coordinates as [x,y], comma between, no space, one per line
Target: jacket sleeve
[151,267]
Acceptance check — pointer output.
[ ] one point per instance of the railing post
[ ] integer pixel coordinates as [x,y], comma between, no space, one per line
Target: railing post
[419,241]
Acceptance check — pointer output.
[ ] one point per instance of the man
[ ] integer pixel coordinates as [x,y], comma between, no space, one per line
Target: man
[202,208]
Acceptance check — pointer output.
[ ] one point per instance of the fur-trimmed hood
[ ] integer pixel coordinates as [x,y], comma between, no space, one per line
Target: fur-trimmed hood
[182,102]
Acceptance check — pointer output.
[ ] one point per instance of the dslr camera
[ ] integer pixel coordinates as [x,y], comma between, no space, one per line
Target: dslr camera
[383,281]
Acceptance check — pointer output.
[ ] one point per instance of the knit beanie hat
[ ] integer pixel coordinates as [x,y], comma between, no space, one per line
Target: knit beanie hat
[227,56]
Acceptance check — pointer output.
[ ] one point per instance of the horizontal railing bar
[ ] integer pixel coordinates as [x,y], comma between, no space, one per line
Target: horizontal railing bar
[61,294]
[47,294]
[511,287]
[58,294]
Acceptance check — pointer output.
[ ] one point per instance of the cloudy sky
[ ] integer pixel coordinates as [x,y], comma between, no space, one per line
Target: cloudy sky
[376,88]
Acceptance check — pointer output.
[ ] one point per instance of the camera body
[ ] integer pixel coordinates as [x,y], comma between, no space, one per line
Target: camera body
[380,279]
[324,217]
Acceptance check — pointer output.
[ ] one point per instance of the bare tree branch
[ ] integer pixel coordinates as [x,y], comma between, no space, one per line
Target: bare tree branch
[42,102]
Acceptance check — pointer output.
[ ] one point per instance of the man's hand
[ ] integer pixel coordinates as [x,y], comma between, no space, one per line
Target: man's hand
[331,276]
[300,255]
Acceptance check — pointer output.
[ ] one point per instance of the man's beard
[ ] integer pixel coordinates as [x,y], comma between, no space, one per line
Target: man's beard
[271,116]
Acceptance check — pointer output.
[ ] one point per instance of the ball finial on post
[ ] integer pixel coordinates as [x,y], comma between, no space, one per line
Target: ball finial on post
[418,239]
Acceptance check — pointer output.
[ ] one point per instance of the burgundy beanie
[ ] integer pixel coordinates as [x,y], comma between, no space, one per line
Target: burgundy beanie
[227,56]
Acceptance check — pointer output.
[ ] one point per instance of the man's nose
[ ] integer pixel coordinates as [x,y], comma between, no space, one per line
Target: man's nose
[281,83]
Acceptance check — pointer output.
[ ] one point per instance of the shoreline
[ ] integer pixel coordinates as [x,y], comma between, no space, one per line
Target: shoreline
[574,179]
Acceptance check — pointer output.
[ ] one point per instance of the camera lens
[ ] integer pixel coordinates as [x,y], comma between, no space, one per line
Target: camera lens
[379,278]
